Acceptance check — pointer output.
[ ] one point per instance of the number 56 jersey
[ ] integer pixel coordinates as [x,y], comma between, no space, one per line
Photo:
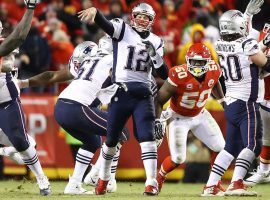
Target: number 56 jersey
[241,75]
[191,95]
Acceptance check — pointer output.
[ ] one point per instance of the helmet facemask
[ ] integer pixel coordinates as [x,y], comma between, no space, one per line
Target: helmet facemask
[197,66]
[141,25]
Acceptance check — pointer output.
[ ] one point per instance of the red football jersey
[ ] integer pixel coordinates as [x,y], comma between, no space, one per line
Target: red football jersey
[191,94]
[266,79]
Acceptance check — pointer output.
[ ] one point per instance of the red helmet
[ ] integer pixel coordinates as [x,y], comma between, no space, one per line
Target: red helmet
[197,57]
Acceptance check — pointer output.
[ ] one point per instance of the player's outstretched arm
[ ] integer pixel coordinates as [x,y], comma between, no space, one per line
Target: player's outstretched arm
[46,78]
[17,37]
[92,15]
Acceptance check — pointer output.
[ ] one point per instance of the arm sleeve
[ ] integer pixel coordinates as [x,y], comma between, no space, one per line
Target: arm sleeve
[162,71]
[104,24]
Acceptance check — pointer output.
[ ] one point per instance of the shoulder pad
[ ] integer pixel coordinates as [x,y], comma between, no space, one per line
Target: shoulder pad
[250,46]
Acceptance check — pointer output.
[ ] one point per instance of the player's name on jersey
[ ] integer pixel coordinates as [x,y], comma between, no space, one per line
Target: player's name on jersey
[225,47]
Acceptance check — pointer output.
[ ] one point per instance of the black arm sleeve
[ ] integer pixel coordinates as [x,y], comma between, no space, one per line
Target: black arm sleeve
[104,24]
[162,71]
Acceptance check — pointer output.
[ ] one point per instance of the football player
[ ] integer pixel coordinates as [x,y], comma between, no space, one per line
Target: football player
[240,58]
[262,174]
[189,86]
[77,109]
[135,51]
[12,121]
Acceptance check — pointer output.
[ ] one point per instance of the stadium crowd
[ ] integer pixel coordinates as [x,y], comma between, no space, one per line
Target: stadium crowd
[56,29]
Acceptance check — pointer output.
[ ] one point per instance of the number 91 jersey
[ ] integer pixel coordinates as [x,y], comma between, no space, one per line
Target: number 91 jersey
[191,95]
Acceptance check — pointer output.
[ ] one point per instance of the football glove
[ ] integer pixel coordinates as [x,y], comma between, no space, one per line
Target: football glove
[254,7]
[158,132]
[150,48]
[31,4]
[266,40]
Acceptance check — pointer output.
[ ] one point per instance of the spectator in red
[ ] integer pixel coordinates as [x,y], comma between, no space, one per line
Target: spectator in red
[171,40]
[51,23]
[61,49]
[177,18]
[116,10]
[103,5]
[15,10]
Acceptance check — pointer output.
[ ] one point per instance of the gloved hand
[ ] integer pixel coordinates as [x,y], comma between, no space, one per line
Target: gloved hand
[150,48]
[31,4]
[254,7]
[266,40]
[158,132]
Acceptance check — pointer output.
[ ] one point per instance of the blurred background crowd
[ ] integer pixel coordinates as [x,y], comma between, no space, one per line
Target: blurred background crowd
[56,29]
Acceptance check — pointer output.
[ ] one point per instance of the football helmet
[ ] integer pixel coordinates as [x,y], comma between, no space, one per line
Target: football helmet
[105,45]
[233,22]
[198,57]
[139,24]
[83,50]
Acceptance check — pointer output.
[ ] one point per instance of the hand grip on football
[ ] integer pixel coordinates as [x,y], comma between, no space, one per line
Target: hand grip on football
[31,4]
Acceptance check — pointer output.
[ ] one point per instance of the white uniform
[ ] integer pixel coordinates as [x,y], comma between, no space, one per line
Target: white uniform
[131,59]
[203,126]
[88,79]
[237,68]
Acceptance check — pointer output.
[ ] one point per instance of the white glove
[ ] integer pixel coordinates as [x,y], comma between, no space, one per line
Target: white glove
[254,7]
[31,4]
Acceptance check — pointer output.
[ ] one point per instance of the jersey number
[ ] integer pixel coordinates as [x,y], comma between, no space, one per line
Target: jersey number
[137,64]
[86,75]
[234,69]
[189,103]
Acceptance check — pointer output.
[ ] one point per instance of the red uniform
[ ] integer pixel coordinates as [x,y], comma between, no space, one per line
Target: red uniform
[191,95]
[266,79]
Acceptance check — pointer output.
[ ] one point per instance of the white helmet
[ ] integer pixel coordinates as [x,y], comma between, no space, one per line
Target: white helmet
[233,22]
[143,9]
[1,28]
[105,45]
[83,50]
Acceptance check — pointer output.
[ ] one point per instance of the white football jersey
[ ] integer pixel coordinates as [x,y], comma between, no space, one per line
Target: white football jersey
[88,79]
[9,89]
[241,75]
[132,62]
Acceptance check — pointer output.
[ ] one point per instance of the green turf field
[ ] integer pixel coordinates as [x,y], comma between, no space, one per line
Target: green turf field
[126,190]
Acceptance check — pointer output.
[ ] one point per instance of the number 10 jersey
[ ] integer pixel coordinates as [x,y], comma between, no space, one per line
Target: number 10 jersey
[241,75]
